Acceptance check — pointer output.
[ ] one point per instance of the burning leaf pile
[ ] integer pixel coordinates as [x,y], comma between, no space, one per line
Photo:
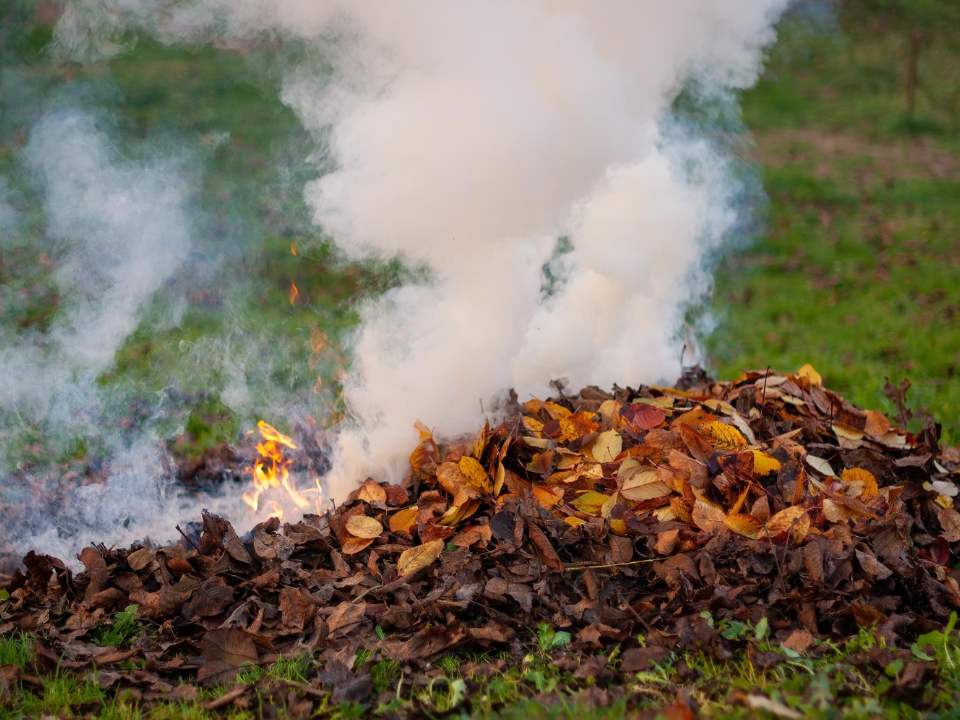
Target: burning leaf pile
[769,499]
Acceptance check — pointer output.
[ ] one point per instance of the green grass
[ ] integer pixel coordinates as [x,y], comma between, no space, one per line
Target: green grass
[830,681]
[856,269]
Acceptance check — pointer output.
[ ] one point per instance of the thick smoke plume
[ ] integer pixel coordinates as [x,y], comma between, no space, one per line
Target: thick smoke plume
[467,138]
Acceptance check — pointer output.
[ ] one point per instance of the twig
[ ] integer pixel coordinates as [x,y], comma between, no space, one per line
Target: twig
[612,565]
[184,535]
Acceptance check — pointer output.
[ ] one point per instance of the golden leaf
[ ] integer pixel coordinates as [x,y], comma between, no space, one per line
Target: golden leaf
[590,502]
[810,375]
[500,479]
[364,527]
[417,558]
[618,527]
[460,511]
[475,474]
[577,425]
[532,425]
[746,525]
[574,521]
[725,438]
[763,463]
[404,520]
[607,446]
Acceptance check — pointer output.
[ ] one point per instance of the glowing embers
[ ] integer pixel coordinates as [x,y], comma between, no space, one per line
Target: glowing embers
[273,487]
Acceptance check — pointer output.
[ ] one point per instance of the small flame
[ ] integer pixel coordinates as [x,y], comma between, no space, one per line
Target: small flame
[293,292]
[293,248]
[271,472]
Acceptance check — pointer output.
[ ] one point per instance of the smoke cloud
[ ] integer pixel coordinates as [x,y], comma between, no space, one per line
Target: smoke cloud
[466,138]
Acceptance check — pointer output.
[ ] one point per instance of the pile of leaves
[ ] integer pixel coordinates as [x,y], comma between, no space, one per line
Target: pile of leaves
[612,517]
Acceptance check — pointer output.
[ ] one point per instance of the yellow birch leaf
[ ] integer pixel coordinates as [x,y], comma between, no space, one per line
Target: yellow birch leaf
[725,438]
[475,474]
[763,463]
[811,375]
[607,446]
[417,558]
[590,502]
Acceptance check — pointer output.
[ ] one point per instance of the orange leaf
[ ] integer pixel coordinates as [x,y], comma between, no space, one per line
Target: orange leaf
[404,520]
[708,517]
[859,483]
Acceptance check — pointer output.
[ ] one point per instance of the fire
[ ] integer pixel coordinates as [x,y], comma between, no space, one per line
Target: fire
[271,475]
[293,292]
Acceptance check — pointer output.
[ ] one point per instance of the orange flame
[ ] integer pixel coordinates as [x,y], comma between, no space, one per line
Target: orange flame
[271,471]
[293,248]
[293,292]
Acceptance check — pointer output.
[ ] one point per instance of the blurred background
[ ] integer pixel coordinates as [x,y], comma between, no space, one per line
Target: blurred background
[853,133]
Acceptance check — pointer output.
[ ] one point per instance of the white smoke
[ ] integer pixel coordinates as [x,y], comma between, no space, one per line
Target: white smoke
[466,137]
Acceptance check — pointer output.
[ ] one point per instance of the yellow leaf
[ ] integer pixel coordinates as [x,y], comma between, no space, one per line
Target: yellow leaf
[618,527]
[725,438]
[404,520]
[417,558]
[364,527]
[811,375]
[643,484]
[452,479]
[574,521]
[834,511]
[607,446]
[500,479]
[590,502]
[475,474]
[763,463]
[458,512]
[531,425]
[746,525]
[859,483]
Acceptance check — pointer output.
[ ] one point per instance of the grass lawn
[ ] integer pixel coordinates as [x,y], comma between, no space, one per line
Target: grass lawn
[856,270]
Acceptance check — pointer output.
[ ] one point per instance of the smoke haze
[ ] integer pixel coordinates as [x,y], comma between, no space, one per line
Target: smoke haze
[465,139]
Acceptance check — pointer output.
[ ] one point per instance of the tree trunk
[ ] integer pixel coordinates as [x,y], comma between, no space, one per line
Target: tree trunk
[913,68]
